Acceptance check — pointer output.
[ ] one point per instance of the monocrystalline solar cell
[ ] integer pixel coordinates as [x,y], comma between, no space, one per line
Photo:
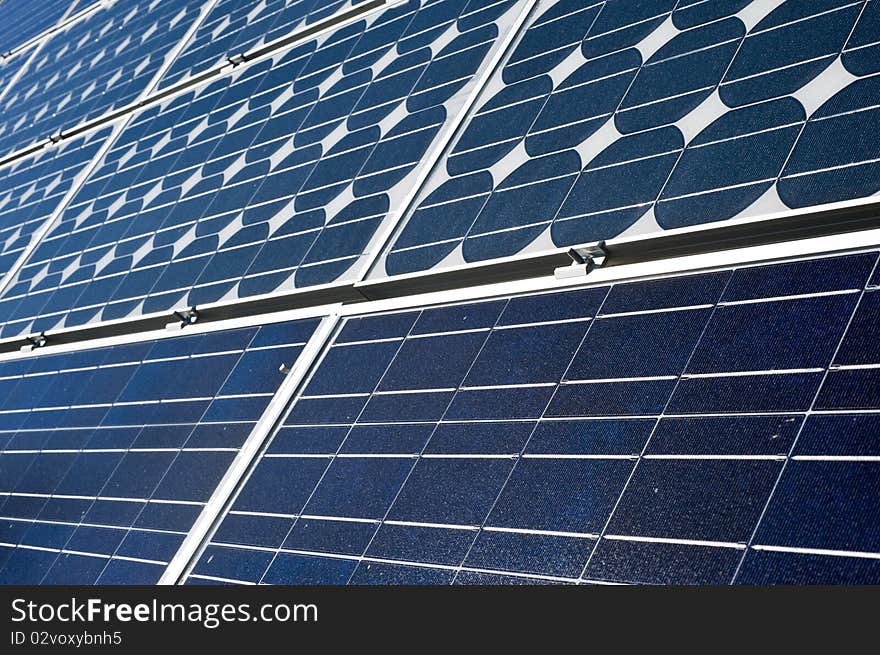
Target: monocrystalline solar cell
[273,178]
[108,455]
[631,118]
[689,429]
[32,190]
[97,64]
[237,26]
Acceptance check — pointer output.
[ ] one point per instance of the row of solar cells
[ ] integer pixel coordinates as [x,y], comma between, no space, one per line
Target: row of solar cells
[622,118]
[696,429]
[607,118]
[107,456]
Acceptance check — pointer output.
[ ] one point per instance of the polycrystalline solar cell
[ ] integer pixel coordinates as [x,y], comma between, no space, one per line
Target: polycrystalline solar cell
[630,118]
[97,64]
[21,20]
[274,178]
[237,26]
[107,456]
[34,187]
[709,428]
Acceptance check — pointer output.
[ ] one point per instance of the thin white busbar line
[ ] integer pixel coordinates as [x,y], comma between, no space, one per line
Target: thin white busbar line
[375,455]
[798,296]
[112,499]
[214,578]
[107,526]
[738,374]
[82,553]
[836,458]
[547,533]
[442,526]
[680,542]
[816,551]
[645,378]
[271,515]
[343,519]
[853,367]
[520,574]
[561,456]
[404,392]
[494,387]
[709,457]
[469,456]
[561,321]
[647,312]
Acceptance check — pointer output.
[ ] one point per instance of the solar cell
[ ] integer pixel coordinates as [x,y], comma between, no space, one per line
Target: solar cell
[108,455]
[273,178]
[709,428]
[624,118]
[237,26]
[99,63]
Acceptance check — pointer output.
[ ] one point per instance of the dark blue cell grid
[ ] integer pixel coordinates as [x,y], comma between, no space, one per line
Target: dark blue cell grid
[655,431]
[112,453]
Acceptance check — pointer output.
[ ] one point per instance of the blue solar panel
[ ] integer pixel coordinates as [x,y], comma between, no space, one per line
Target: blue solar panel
[32,189]
[238,26]
[98,64]
[274,178]
[710,428]
[629,118]
[22,20]
[107,456]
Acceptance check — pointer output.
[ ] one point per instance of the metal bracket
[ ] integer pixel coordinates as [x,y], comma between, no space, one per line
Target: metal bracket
[34,342]
[236,60]
[583,260]
[184,317]
[284,369]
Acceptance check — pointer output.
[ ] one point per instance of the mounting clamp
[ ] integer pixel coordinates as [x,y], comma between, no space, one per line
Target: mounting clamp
[184,317]
[34,342]
[583,260]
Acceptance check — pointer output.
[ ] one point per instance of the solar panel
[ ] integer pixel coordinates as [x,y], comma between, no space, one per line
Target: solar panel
[33,189]
[237,26]
[21,21]
[108,455]
[99,63]
[627,118]
[710,428]
[713,426]
[251,185]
